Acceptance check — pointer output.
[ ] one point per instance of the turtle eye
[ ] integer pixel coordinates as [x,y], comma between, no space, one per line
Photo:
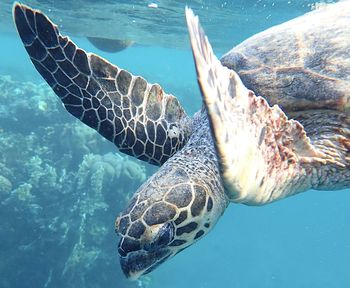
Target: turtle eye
[163,237]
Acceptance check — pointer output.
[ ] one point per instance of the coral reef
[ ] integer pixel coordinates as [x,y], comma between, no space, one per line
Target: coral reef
[61,186]
[5,186]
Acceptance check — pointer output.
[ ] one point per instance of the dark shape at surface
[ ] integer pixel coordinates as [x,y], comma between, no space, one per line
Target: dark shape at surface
[110,45]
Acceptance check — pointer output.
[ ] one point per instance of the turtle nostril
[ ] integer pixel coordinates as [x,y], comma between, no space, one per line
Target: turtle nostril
[163,237]
[166,234]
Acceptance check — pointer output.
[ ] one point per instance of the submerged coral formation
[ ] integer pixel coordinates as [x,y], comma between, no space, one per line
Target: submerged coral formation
[61,186]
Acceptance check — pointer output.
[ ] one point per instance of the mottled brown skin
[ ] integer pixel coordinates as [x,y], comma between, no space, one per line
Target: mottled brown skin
[329,132]
[301,64]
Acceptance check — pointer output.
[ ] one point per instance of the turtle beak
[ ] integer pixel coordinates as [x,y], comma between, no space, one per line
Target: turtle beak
[141,256]
[138,263]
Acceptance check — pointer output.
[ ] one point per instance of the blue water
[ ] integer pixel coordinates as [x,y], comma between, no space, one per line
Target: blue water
[302,241]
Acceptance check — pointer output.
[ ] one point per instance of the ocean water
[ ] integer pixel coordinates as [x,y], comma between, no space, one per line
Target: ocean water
[62,185]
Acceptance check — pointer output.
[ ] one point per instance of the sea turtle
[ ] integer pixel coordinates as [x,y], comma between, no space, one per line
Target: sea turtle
[237,148]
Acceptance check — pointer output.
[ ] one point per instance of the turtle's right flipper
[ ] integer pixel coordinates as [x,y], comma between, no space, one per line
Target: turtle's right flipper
[138,117]
[263,156]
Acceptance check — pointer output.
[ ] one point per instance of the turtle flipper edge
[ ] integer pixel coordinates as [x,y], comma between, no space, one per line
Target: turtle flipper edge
[263,156]
[139,118]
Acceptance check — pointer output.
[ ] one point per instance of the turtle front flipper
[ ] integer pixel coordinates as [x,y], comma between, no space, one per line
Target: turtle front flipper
[263,156]
[138,117]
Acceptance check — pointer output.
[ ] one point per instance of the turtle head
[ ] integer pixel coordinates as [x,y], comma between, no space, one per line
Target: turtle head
[171,211]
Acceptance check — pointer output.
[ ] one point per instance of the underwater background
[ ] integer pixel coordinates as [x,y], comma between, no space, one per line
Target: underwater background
[62,185]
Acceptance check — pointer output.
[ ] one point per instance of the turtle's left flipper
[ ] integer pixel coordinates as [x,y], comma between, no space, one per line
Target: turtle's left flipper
[138,117]
[263,156]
